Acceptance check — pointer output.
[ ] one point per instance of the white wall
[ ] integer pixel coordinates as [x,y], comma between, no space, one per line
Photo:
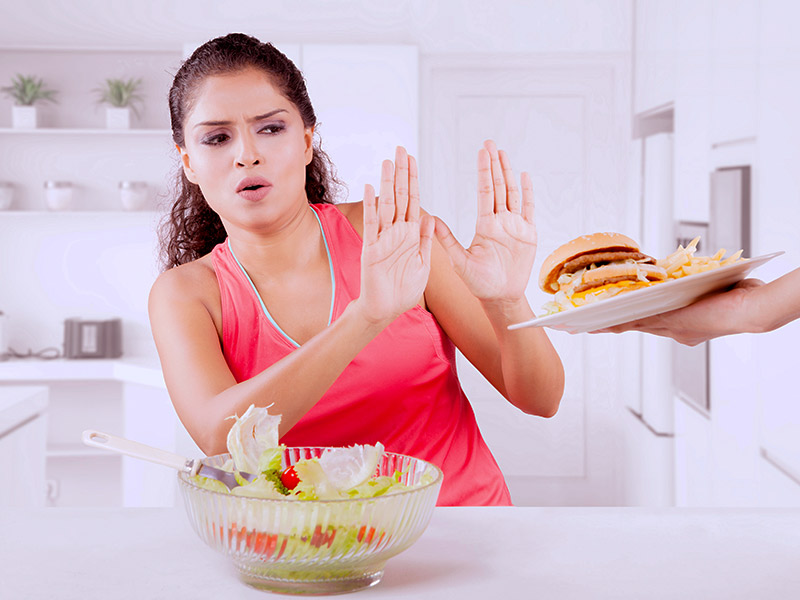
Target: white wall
[443,26]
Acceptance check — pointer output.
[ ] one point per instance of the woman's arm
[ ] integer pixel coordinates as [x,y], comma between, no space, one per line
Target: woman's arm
[201,385]
[476,293]
[749,307]
[394,269]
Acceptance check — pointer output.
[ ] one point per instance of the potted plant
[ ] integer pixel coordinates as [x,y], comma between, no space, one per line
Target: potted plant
[122,97]
[26,91]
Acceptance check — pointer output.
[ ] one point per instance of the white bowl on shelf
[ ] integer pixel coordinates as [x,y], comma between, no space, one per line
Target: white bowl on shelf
[59,195]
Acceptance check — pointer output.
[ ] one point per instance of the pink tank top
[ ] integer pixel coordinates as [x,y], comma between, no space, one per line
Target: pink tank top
[400,390]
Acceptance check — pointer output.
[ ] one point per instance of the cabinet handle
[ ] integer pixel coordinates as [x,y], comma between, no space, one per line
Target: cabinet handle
[780,465]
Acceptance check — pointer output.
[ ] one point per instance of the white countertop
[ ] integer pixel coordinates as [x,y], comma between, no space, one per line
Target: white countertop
[144,371]
[466,553]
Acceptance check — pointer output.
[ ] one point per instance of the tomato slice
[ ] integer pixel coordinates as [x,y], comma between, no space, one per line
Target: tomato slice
[289,478]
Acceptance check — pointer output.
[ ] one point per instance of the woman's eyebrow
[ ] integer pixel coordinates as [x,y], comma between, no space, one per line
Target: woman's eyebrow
[251,120]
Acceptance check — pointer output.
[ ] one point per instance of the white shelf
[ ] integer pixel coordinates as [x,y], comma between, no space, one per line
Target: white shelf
[93,131]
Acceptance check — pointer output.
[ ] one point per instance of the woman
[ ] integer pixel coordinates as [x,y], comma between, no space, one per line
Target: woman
[272,299]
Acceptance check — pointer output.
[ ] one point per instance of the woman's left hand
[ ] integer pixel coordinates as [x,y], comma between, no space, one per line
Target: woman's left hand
[497,265]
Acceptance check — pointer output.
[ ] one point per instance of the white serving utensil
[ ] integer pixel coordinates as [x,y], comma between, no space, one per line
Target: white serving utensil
[193,466]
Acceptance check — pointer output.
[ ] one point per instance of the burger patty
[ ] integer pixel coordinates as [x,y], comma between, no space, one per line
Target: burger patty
[602,258]
[586,286]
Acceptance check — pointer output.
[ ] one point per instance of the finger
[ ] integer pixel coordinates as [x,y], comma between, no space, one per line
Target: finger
[386,198]
[426,228]
[370,205]
[455,251]
[485,188]
[498,181]
[527,198]
[401,184]
[513,199]
[413,190]
[749,283]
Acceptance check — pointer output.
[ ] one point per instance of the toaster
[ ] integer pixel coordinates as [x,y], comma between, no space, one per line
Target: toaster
[92,339]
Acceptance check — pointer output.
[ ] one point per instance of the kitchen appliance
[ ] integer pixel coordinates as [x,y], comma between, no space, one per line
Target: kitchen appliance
[728,228]
[92,339]
[649,430]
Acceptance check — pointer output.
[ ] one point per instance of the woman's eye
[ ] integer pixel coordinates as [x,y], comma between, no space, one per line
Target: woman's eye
[215,140]
[272,128]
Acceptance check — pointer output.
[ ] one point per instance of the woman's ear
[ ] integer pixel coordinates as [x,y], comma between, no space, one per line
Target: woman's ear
[309,139]
[187,167]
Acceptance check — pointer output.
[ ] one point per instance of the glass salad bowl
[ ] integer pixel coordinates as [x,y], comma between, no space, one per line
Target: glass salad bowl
[314,546]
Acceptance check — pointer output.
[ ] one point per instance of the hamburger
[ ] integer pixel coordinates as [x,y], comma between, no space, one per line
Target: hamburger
[594,267]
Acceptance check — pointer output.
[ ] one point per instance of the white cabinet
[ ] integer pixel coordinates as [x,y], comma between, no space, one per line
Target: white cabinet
[23,431]
[734,63]
[122,398]
[654,54]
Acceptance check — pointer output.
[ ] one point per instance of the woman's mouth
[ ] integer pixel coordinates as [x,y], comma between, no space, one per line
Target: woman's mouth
[253,188]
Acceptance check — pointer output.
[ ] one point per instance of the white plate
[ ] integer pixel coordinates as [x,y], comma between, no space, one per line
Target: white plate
[648,301]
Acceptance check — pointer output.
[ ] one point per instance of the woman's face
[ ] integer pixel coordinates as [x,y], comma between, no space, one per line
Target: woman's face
[247,148]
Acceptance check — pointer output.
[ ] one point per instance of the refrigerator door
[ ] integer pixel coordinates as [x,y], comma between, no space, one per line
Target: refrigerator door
[657,240]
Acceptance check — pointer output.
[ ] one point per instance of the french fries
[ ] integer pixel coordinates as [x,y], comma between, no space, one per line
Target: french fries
[683,262]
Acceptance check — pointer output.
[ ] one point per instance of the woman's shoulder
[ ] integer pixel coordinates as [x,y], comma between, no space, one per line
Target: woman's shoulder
[354,213]
[192,281]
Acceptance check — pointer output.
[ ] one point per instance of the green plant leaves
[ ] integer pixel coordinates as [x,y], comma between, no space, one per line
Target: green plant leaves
[121,93]
[26,90]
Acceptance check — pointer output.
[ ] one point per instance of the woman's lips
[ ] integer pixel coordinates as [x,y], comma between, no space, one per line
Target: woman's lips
[253,188]
[255,194]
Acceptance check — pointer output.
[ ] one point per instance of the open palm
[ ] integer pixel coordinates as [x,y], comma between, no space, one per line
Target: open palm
[497,265]
[395,258]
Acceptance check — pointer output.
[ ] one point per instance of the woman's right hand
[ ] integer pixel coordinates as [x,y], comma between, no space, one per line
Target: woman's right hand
[396,253]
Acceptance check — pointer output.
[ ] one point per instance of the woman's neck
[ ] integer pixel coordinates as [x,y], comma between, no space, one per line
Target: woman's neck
[295,245]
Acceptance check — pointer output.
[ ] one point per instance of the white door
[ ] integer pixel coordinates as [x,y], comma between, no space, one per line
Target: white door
[563,123]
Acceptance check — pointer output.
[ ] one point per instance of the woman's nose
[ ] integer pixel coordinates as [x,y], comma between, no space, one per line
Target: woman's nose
[248,155]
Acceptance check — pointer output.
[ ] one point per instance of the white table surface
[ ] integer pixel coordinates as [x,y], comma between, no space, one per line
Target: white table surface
[481,553]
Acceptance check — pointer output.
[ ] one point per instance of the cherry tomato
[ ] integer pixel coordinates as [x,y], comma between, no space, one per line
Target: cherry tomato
[289,478]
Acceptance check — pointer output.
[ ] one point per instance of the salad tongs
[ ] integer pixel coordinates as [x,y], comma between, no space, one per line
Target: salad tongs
[192,466]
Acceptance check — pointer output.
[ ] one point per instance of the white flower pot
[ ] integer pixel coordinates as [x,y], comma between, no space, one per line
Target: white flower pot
[23,117]
[118,118]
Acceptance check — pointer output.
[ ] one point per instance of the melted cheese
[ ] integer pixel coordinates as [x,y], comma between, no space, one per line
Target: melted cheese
[620,286]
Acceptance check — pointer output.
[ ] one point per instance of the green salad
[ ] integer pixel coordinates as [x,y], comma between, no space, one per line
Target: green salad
[338,473]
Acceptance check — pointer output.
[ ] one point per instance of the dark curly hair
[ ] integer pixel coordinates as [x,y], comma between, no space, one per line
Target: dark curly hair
[191,229]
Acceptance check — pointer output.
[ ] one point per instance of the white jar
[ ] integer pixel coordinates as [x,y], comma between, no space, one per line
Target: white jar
[133,194]
[58,195]
[6,194]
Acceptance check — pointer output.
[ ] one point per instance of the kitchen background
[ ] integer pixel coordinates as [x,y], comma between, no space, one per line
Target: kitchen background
[657,118]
